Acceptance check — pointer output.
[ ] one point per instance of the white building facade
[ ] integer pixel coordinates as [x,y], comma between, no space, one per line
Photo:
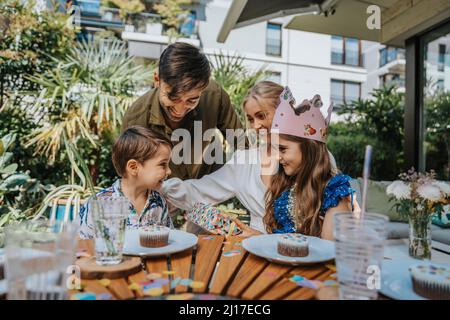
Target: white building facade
[309,63]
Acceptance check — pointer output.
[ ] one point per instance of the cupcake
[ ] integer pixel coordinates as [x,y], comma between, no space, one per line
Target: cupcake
[293,245]
[154,236]
[431,281]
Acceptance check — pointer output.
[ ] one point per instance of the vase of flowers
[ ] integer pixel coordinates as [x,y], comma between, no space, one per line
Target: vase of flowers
[418,196]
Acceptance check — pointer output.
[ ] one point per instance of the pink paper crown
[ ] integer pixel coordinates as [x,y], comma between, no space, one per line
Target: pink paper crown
[305,120]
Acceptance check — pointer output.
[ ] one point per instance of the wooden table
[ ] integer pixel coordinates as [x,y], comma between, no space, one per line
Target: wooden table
[240,275]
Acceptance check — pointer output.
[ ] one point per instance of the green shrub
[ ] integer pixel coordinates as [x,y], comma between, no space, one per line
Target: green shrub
[29,41]
[377,121]
[348,149]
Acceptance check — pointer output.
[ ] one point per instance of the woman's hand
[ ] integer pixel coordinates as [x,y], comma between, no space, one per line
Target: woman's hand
[246,230]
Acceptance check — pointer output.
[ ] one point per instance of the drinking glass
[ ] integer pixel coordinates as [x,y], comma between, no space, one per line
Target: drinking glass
[359,254]
[39,258]
[109,216]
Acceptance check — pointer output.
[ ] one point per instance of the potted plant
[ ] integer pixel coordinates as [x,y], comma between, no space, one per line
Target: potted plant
[419,196]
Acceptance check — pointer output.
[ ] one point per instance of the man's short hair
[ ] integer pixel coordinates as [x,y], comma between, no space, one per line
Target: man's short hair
[183,67]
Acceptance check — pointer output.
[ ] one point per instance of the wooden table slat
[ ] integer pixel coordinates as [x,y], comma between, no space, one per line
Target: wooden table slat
[308,293]
[138,277]
[87,245]
[159,265]
[208,250]
[270,275]
[228,266]
[181,265]
[119,287]
[285,287]
[250,269]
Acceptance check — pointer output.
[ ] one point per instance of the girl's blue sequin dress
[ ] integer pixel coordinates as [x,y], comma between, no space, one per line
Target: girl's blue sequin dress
[337,188]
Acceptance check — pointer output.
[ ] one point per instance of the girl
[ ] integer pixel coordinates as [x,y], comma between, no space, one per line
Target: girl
[306,192]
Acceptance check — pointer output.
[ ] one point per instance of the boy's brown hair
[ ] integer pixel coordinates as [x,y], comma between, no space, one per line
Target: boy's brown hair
[138,143]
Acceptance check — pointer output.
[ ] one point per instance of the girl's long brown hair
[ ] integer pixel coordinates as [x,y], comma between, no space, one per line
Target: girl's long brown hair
[313,174]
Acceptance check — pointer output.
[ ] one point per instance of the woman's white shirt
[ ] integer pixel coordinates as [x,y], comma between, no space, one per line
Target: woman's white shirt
[240,177]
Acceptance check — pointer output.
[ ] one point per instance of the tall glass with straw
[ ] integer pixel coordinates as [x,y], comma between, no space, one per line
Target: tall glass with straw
[360,241]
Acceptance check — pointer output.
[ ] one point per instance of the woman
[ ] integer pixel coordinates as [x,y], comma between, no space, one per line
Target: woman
[247,175]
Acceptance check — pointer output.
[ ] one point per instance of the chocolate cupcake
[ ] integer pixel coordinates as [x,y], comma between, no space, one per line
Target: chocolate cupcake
[431,281]
[154,236]
[293,245]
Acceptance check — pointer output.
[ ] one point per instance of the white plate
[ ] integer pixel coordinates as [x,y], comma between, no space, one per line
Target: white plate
[396,281]
[265,246]
[178,241]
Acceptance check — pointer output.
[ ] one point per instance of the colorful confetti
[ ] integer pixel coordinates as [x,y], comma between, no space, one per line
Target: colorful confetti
[154,292]
[196,284]
[104,282]
[208,238]
[145,283]
[232,253]
[308,284]
[168,273]
[185,282]
[330,283]
[134,286]
[175,283]
[84,296]
[104,296]
[153,276]
[152,286]
[296,278]
[161,281]
[183,296]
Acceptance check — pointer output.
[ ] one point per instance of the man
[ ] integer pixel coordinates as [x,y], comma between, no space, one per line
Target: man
[183,94]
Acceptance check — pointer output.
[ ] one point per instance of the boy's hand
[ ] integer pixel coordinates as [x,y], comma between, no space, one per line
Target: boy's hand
[246,230]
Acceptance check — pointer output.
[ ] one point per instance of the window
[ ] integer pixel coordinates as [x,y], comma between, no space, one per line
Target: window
[440,85]
[337,50]
[273,39]
[441,58]
[433,147]
[273,76]
[346,51]
[389,54]
[344,92]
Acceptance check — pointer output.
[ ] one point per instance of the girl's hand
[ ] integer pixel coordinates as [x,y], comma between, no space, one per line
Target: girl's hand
[246,230]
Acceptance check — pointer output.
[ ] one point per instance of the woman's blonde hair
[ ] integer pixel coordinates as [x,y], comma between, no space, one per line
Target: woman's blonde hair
[266,93]
[313,174]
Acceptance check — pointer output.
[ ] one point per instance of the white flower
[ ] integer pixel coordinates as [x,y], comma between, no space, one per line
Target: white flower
[429,192]
[399,190]
[444,187]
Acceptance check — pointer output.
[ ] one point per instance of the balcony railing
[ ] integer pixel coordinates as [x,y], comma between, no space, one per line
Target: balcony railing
[390,54]
[93,14]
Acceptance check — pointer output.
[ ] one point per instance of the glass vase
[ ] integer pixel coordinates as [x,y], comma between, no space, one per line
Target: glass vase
[420,236]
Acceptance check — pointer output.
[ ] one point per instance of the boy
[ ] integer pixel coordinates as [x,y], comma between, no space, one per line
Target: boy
[141,158]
